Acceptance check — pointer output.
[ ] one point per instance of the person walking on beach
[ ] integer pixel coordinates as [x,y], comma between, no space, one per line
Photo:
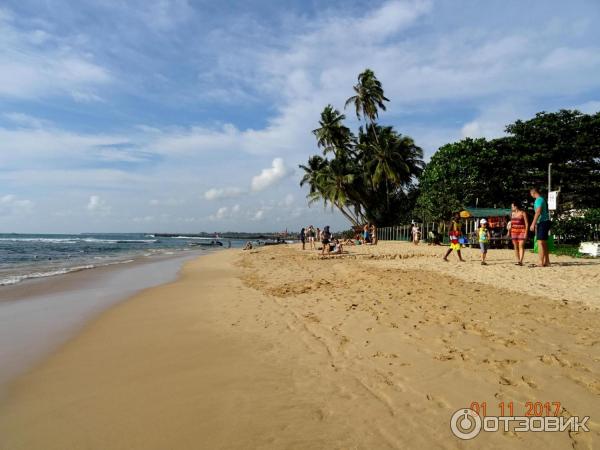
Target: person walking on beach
[519,224]
[454,234]
[303,238]
[541,226]
[484,239]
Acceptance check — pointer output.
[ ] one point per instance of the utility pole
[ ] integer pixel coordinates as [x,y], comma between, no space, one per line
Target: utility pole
[549,187]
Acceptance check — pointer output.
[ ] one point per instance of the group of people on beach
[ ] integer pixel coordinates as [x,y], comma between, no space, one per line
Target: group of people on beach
[332,245]
[314,235]
[518,229]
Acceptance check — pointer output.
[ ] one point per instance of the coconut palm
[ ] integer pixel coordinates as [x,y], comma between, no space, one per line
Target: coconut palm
[316,164]
[368,98]
[335,186]
[333,135]
[378,163]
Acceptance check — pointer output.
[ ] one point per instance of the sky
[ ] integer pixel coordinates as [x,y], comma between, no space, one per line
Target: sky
[185,115]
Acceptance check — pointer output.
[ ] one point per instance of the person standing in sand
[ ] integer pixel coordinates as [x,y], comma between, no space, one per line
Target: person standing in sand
[416,233]
[454,234]
[484,239]
[541,226]
[374,234]
[303,238]
[519,225]
[311,237]
[325,239]
[366,235]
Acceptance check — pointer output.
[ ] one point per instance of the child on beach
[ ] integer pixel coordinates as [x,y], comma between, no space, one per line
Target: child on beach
[484,239]
[454,234]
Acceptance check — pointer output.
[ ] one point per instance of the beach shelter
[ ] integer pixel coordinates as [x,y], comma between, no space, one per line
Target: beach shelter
[496,218]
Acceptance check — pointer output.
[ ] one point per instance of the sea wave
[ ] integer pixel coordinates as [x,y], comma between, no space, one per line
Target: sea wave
[14,279]
[79,240]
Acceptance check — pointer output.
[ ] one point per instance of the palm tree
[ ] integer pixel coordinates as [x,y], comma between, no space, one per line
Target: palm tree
[333,135]
[335,182]
[369,97]
[390,158]
[316,164]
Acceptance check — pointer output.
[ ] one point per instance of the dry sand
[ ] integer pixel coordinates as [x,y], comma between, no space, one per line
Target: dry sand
[277,348]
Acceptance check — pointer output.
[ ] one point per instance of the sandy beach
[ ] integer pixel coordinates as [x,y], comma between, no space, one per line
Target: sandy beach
[279,348]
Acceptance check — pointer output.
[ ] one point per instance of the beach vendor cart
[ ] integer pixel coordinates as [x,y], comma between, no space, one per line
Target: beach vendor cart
[497,224]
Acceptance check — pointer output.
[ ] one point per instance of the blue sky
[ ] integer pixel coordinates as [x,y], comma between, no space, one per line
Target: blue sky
[177,115]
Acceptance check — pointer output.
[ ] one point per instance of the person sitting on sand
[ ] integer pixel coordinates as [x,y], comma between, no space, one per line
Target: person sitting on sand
[248,246]
[454,234]
[483,233]
[519,224]
[325,238]
[337,247]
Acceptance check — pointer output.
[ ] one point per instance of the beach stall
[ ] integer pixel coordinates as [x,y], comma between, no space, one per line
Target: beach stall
[497,223]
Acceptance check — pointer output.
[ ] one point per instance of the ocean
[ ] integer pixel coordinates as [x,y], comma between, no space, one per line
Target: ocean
[26,256]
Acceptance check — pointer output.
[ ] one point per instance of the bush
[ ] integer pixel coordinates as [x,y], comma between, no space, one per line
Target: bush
[577,229]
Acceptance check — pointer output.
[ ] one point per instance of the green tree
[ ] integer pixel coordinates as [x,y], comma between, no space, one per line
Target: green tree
[461,174]
[369,97]
[570,140]
[370,177]
[332,135]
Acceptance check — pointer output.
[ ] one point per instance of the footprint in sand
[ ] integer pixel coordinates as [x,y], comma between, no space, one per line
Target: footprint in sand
[507,381]
[529,381]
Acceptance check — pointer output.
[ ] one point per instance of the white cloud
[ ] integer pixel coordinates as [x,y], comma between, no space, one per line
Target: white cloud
[25,120]
[96,205]
[259,215]
[492,120]
[591,107]
[220,193]
[288,200]
[167,202]
[29,70]
[12,205]
[269,177]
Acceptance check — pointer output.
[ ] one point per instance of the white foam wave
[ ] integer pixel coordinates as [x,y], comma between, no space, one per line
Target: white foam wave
[14,279]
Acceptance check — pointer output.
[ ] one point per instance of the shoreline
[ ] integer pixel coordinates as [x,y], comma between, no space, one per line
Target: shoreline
[277,348]
[39,315]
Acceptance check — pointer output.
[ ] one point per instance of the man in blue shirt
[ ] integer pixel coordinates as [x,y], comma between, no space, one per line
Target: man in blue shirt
[541,225]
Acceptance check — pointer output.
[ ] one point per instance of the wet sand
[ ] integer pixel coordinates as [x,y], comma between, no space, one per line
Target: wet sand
[278,348]
[38,315]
